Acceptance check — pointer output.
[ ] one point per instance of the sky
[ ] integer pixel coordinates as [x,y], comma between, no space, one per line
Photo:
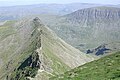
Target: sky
[29,2]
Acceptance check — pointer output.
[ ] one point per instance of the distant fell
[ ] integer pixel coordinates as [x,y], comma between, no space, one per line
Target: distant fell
[94,15]
[90,28]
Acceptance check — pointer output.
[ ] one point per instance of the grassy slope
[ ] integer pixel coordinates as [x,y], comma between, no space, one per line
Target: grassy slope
[107,68]
[5,31]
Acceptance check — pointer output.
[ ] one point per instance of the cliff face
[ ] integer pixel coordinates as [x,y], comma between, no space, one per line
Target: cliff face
[28,68]
[95,15]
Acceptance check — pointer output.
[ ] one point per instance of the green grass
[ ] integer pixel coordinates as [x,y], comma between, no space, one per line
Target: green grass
[57,65]
[106,68]
[6,30]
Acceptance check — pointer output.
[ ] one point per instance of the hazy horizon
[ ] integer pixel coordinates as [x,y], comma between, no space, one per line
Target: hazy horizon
[31,2]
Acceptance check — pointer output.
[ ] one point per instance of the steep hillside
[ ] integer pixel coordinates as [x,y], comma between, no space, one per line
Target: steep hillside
[90,28]
[28,48]
[107,68]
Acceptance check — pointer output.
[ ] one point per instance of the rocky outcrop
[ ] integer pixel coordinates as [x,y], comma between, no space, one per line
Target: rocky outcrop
[99,50]
[28,68]
[33,62]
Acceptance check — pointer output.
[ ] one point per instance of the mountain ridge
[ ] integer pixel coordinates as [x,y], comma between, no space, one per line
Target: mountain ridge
[34,40]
